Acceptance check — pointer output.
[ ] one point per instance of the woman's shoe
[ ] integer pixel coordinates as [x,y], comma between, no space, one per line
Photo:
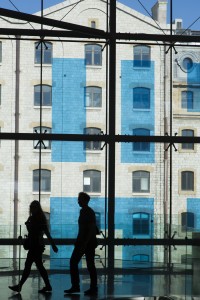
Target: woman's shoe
[45,289]
[15,288]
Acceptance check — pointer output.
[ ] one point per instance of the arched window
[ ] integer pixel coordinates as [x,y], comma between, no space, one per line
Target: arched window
[93,96]
[92,145]
[141,224]
[46,53]
[45,144]
[187,181]
[141,182]
[142,56]
[93,55]
[45,182]
[43,91]
[188,146]
[92,181]
[187,100]
[141,98]
[141,146]
[187,220]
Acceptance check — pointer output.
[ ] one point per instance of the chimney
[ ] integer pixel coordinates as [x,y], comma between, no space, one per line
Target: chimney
[159,11]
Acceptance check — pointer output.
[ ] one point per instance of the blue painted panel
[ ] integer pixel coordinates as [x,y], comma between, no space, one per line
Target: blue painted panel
[193,77]
[136,118]
[193,205]
[68,112]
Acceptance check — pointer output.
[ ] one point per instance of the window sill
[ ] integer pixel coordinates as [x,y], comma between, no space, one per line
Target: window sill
[93,151]
[140,194]
[93,108]
[43,107]
[142,109]
[94,66]
[94,194]
[42,150]
[43,65]
[42,193]
[187,192]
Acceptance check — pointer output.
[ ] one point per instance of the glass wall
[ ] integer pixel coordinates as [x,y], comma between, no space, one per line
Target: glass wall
[114,115]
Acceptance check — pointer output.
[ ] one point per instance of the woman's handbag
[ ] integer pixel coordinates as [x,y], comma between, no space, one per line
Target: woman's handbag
[26,242]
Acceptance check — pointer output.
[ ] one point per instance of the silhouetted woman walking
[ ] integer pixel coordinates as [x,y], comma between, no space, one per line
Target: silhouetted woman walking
[36,226]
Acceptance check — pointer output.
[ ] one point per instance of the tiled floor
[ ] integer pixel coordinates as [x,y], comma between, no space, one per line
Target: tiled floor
[119,286]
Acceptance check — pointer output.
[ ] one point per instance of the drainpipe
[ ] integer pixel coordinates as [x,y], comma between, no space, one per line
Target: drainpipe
[16,157]
[165,202]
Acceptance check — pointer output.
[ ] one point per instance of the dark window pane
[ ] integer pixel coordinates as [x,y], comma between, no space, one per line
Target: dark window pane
[187,181]
[187,99]
[141,146]
[141,98]
[188,132]
[92,145]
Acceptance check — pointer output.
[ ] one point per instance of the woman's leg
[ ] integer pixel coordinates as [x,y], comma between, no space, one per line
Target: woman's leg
[27,268]
[41,268]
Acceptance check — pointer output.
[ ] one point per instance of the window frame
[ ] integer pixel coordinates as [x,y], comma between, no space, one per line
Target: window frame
[142,223]
[187,183]
[187,218]
[44,86]
[92,175]
[187,102]
[91,145]
[139,53]
[1,50]
[187,146]
[141,146]
[36,129]
[37,58]
[45,180]
[139,178]
[92,54]
[91,92]
[141,95]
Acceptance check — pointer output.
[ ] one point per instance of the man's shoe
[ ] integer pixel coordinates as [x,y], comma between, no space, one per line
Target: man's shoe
[91,291]
[15,288]
[72,290]
[45,289]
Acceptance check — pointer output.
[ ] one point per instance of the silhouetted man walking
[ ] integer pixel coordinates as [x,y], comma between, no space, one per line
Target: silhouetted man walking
[86,243]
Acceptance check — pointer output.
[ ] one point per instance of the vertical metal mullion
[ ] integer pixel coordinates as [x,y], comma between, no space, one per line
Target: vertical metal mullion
[41,80]
[171,124]
[112,118]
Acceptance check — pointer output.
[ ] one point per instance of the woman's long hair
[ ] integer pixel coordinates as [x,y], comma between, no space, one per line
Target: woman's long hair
[37,213]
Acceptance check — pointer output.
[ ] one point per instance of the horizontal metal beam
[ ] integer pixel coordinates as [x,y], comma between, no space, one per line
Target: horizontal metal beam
[101,137]
[86,33]
[158,37]
[46,33]
[50,22]
[117,242]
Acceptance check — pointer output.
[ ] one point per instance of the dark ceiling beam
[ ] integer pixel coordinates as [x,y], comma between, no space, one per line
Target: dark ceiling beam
[49,22]
[158,37]
[102,137]
[46,33]
[119,36]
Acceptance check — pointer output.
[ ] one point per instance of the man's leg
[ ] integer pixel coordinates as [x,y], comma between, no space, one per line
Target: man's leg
[74,272]
[90,254]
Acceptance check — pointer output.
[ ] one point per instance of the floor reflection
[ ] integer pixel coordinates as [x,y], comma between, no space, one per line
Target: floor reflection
[183,286]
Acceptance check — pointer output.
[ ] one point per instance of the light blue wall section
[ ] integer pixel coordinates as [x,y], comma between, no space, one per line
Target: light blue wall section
[68,112]
[193,78]
[130,119]
[193,205]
